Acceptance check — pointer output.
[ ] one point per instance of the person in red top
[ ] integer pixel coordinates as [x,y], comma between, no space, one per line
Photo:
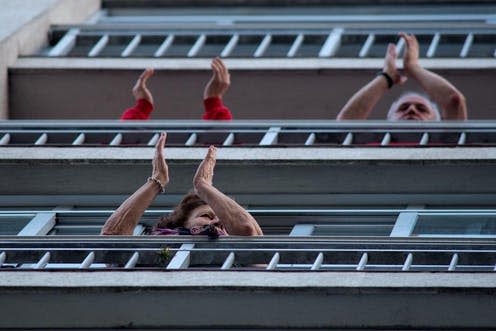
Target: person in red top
[212,96]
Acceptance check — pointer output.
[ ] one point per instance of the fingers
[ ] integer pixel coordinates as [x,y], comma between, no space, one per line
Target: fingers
[220,69]
[216,68]
[161,143]
[145,75]
[211,153]
[410,39]
[391,50]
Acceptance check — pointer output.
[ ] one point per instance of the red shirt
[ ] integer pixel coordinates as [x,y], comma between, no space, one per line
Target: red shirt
[214,110]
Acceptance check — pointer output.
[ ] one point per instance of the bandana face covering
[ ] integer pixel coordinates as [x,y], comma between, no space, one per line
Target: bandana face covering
[209,230]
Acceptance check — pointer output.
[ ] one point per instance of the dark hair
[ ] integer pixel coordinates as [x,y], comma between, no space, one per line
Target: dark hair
[181,213]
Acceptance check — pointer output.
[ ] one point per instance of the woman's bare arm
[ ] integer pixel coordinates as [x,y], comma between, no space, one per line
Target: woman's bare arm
[126,217]
[235,218]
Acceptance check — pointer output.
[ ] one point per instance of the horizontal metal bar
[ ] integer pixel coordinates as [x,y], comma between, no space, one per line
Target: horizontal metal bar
[116,126]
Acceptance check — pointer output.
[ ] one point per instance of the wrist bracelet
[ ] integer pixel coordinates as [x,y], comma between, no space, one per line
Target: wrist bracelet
[160,185]
[389,80]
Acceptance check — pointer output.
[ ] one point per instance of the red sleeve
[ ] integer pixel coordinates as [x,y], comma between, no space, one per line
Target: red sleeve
[141,111]
[215,109]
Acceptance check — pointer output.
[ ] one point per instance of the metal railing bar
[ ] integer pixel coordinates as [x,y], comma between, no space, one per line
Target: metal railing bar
[318,262]
[386,139]
[247,125]
[153,140]
[40,225]
[280,211]
[296,45]
[138,230]
[332,43]
[466,45]
[310,140]
[79,139]
[263,46]
[42,139]
[363,262]
[99,46]
[233,42]
[197,46]
[165,46]
[273,262]
[5,139]
[348,140]
[364,51]
[270,137]
[405,223]
[228,262]
[131,47]
[3,257]
[302,230]
[116,140]
[191,140]
[261,18]
[66,44]
[43,261]
[88,261]
[182,257]
[229,140]
[431,51]
[132,261]
[408,262]
[462,139]
[425,139]
[399,46]
[453,263]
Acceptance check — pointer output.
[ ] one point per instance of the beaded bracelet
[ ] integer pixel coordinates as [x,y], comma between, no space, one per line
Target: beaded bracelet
[155,180]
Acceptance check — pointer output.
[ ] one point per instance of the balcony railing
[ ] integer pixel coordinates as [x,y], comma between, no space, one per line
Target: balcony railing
[247,134]
[268,253]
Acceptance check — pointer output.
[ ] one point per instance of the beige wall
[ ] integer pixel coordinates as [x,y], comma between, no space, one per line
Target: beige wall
[23,30]
[255,94]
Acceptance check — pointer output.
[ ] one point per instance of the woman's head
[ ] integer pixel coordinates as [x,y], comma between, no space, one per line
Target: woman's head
[192,213]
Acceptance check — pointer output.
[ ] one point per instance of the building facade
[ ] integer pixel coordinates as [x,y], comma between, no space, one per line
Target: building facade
[368,225]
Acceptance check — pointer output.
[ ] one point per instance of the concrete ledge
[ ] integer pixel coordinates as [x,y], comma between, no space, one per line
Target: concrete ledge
[248,301]
[252,156]
[39,63]
[242,279]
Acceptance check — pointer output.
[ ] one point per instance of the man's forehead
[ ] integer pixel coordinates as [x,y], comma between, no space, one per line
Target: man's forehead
[413,99]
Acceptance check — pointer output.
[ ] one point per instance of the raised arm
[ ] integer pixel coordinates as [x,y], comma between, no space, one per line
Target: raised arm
[143,97]
[126,217]
[215,90]
[235,218]
[362,102]
[450,100]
